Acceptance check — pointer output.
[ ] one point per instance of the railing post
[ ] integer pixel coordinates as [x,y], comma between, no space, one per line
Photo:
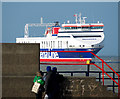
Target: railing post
[113,82]
[71,73]
[103,72]
[118,86]
[99,76]
[88,69]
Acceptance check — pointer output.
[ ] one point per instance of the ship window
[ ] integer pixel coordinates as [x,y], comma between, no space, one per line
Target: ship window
[73,27]
[83,45]
[67,44]
[64,36]
[80,45]
[49,43]
[85,27]
[46,43]
[97,27]
[79,27]
[67,27]
[92,45]
[42,44]
[87,36]
[53,44]
[59,44]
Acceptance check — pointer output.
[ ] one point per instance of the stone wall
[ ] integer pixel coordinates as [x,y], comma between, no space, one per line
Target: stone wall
[20,62]
[77,87]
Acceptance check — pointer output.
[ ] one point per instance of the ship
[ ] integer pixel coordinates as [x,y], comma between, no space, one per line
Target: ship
[65,43]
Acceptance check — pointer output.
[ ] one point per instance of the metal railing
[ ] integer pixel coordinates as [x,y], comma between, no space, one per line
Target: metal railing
[102,69]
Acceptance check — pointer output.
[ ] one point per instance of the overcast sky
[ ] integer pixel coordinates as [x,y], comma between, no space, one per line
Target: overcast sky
[16,15]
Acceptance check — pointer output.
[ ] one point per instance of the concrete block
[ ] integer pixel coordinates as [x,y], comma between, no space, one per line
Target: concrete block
[20,59]
[17,86]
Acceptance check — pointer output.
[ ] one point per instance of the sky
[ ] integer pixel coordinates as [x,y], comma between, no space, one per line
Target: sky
[16,14]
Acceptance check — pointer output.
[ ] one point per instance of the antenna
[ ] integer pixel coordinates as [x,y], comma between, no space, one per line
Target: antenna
[84,19]
[80,18]
[76,18]
[41,20]
[26,32]
[68,21]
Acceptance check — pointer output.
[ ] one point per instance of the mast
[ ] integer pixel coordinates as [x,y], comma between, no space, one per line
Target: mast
[84,19]
[76,18]
[80,18]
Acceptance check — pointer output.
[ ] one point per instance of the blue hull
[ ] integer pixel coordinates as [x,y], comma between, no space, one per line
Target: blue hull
[73,55]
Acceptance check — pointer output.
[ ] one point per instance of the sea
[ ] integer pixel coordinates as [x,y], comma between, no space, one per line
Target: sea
[112,61]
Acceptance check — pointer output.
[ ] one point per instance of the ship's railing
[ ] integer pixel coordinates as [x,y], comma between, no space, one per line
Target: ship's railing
[102,69]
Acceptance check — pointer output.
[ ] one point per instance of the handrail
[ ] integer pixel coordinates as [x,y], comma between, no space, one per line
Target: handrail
[104,62]
[106,73]
[111,68]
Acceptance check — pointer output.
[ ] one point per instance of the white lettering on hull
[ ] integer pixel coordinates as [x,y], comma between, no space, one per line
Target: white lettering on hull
[49,55]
